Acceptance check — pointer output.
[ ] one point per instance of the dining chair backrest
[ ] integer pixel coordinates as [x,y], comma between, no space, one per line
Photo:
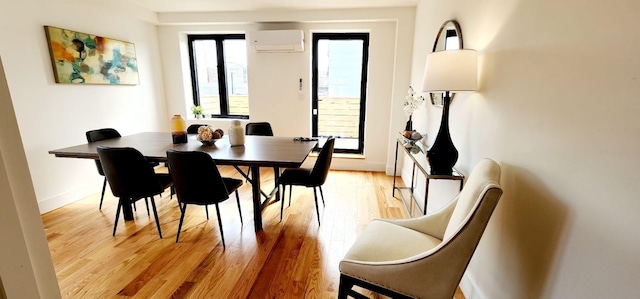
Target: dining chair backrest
[102,134]
[98,135]
[323,162]
[129,174]
[258,128]
[193,129]
[196,177]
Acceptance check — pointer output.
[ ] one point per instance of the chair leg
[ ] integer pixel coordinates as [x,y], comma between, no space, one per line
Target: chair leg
[104,187]
[134,207]
[206,208]
[321,195]
[183,210]
[155,213]
[239,209]
[347,283]
[315,197]
[115,224]
[290,190]
[220,225]
[345,287]
[146,203]
[284,190]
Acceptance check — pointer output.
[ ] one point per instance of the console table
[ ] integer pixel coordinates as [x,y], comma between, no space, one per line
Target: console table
[420,162]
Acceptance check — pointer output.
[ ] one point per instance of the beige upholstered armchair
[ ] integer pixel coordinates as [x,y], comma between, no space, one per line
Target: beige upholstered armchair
[423,257]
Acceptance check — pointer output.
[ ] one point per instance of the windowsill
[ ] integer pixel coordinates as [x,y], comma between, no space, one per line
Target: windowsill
[217,118]
[342,156]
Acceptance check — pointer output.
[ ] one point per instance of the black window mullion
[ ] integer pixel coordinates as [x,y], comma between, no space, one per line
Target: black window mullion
[222,78]
[363,89]
[314,84]
[194,72]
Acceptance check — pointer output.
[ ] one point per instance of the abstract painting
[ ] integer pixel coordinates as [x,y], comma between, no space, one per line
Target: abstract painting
[89,59]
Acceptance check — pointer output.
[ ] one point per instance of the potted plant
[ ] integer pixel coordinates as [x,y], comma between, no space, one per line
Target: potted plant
[197,111]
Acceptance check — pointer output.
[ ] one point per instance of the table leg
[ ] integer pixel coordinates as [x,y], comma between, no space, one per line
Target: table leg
[127,211]
[257,202]
[426,196]
[276,178]
[395,168]
[249,179]
[412,197]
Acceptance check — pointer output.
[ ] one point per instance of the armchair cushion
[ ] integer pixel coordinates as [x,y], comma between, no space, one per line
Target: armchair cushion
[399,243]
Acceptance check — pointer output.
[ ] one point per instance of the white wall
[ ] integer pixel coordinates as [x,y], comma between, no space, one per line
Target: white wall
[274,77]
[51,115]
[558,109]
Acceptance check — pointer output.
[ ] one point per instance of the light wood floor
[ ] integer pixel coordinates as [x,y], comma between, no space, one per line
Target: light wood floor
[294,258]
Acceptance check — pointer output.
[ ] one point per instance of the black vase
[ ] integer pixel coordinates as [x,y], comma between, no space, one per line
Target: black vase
[409,126]
[443,154]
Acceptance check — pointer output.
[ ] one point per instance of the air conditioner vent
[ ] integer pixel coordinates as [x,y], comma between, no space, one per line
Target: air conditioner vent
[277,40]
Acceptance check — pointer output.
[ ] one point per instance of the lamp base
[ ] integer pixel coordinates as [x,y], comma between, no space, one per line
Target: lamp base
[443,155]
[442,162]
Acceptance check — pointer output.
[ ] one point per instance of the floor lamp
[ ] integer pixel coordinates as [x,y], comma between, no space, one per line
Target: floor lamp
[448,71]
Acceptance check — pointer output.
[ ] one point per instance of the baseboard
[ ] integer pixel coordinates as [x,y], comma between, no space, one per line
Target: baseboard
[470,288]
[356,165]
[389,171]
[355,162]
[68,197]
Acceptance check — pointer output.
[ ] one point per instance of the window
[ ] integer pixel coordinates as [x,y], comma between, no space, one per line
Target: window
[219,74]
[452,41]
[339,89]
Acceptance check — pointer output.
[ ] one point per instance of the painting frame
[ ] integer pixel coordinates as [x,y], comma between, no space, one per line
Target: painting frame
[83,58]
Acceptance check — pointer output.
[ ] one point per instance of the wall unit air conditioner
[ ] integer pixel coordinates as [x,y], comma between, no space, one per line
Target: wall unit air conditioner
[277,40]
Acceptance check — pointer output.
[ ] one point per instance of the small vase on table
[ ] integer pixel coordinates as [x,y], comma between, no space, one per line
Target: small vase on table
[409,126]
[236,134]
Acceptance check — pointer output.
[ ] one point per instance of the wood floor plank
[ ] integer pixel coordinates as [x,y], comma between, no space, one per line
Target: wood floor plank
[292,258]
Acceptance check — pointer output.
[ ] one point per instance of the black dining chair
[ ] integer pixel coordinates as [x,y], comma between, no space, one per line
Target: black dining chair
[258,128]
[97,135]
[132,178]
[193,129]
[309,177]
[198,182]
[104,134]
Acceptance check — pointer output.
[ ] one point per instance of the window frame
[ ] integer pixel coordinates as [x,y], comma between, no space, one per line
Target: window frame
[221,69]
[364,37]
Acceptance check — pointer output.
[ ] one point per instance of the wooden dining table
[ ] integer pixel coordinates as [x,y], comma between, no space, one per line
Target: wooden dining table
[258,151]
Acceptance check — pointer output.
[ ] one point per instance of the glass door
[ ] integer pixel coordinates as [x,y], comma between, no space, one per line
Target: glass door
[339,78]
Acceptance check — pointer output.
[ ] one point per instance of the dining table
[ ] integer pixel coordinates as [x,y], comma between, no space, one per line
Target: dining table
[257,152]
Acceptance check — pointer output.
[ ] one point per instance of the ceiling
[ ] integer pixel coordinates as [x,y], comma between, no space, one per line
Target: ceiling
[167,6]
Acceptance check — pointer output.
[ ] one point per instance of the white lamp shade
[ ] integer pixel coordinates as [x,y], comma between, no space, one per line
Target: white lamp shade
[451,70]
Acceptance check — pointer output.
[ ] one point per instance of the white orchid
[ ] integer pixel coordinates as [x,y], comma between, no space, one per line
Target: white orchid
[411,102]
